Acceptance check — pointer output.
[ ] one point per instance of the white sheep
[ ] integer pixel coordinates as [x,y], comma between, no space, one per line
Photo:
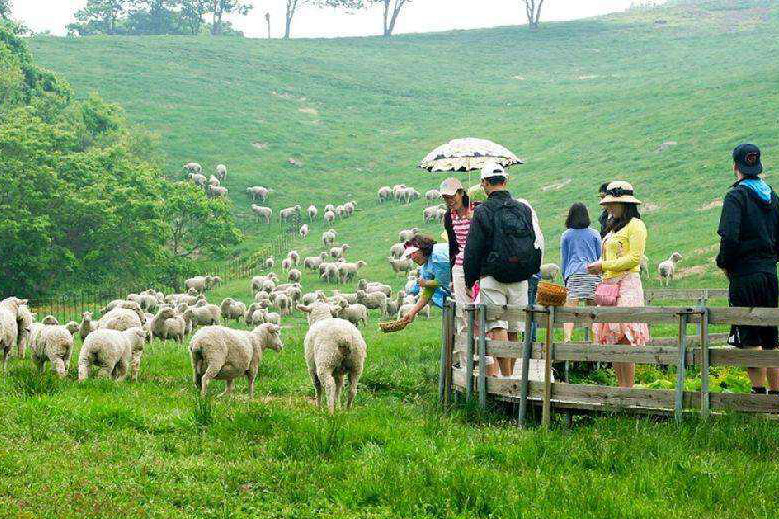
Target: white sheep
[199,283]
[397,249]
[87,325]
[430,214]
[407,234]
[25,319]
[393,305]
[262,212]
[198,179]
[329,216]
[397,191]
[115,353]
[313,262]
[312,212]
[258,192]
[401,265]
[217,192]
[232,309]
[294,256]
[330,207]
[549,271]
[329,272]
[304,230]
[667,268]
[372,286]
[213,181]
[221,171]
[120,319]
[220,353]
[333,347]
[51,343]
[433,194]
[193,167]
[644,266]
[408,194]
[286,264]
[339,252]
[347,271]
[350,207]
[205,315]
[355,313]
[269,262]
[289,212]
[167,324]
[328,237]
[282,301]
[294,276]
[373,300]
[311,297]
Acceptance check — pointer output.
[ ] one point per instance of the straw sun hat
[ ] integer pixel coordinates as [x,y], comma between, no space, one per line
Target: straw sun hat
[621,192]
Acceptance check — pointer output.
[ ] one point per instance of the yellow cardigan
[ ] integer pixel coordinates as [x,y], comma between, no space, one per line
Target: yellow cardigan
[623,250]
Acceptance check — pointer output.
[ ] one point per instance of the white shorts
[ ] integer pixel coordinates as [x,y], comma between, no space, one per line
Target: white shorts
[492,292]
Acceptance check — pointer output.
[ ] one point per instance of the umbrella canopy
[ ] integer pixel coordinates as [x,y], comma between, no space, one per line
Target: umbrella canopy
[467,155]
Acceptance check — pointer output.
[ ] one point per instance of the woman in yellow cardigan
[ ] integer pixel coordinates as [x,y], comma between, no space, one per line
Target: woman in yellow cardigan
[623,248]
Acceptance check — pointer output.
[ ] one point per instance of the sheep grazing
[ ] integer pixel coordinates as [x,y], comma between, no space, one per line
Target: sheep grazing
[549,271]
[217,192]
[283,303]
[333,347]
[350,207]
[269,262]
[197,179]
[221,171]
[213,181]
[193,167]
[304,230]
[433,194]
[347,271]
[397,191]
[258,192]
[330,272]
[356,314]
[396,251]
[199,283]
[408,194]
[220,353]
[667,268]
[289,212]
[407,234]
[328,237]
[373,300]
[294,256]
[385,193]
[371,286]
[232,309]
[330,207]
[329,216]
[431,213]
[204,315]
[51,343]
[340,212]
[168,325]
[24,322]
[400,265]
[339,252]
[294,276]
[312,212]
[313,262]
[311,297]
[121,319]
[286,264]
[262,213]
[114,352]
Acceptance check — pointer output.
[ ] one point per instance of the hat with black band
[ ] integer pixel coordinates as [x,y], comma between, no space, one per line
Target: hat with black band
[747,159]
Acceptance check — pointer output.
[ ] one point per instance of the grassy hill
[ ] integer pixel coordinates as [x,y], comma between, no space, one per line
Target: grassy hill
[582,102]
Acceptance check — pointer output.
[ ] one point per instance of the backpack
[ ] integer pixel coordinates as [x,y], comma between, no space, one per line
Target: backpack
[513,256]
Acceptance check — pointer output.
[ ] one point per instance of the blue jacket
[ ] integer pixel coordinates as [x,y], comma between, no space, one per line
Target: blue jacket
[437,267]
[578,248]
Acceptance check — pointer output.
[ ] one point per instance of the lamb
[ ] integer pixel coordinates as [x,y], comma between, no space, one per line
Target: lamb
[385,192]
[72,327]
[549,271]
[330,207]
[205,315]
[311,297]
[294,256]
[289,212]
[330,272]
[312,212]
[397,191]
[401,265]
[269,263]
[283,303]
[393,305]
[262,212]
[373,300]
[115,352]
[313,262]
[51,343]
[431,213]
[286,264]
[329,216]
[232,309]
[339,252]
[193,167]
[303,230]
[396,251]
[294,276]
[371,286]
[433,194]
[199,283]
[407,234]
[667,268]
[328,237]
[332,347]
[340,212]
[347,271]
[258,192]
[198,179]
[121,319]
[221,353]
[355,314]
[350,207]
[221,171]
[217,192]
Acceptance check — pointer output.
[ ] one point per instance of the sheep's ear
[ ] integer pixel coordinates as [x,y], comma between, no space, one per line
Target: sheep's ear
[304,308]
[274,328]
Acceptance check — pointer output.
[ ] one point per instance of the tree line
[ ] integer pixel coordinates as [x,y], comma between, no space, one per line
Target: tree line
[192,17]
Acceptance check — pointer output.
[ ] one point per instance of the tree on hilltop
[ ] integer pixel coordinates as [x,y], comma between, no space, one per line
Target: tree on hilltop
[392,10]
[99,17]
[533,11]
[293,5]
[219,8]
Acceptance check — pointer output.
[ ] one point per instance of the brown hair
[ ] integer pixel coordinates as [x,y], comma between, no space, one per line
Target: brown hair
[425,244]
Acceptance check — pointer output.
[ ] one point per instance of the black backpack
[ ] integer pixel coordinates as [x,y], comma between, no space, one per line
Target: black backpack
[513,256]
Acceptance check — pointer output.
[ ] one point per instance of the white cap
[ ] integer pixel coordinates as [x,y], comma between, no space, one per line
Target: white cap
[409,251]
[493,169]
[450,186]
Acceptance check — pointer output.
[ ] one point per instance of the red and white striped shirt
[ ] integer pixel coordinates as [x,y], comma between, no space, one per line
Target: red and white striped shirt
[461,225]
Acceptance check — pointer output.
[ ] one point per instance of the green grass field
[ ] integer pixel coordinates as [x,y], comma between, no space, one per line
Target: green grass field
[583,102]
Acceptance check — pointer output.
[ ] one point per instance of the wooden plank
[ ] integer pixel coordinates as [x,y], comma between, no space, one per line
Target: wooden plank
[469,355]
[443,366]
[673,294]
[745,402]
[744,358]
[482,357]
[716,338]
[606,396]
[744,316]
[514,312]
[680,368]
[530,319]
[546,411]
[705,362]
[617,314]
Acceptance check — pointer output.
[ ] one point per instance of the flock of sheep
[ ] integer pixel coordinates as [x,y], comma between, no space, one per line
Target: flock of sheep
[212,185]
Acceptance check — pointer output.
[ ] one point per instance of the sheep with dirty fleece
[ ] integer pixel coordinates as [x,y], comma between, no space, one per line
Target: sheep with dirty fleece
[333,348]
[50,342]
[220,353]
[121,319]
[115,353]
[667,268]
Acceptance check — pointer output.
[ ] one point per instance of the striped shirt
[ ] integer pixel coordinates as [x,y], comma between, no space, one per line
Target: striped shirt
[460,226]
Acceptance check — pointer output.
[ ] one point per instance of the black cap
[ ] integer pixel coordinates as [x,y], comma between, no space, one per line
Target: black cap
[747,158]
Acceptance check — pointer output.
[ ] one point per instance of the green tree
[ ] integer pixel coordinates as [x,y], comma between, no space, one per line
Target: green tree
[99,17]
[5,9]
[192,13]
[219,8]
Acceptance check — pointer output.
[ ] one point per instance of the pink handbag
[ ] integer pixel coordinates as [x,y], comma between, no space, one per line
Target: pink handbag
[606,294]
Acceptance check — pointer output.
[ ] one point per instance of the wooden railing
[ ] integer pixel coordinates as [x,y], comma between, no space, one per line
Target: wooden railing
[574,397]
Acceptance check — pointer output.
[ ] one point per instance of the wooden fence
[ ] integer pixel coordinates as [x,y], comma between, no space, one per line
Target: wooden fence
[564,396]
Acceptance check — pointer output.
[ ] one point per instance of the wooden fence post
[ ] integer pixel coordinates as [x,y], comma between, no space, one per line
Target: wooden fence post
[482,356]
[527,347]
[705,405]
[444,341]
[546,412]
[452,333]
[680,368]
[469,354]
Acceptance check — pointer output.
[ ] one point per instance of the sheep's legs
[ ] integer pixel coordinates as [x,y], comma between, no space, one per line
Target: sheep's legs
[208,376]
[197,372]
[317,387]
[339,385]
[136,364]
[353,378]
[58,365]
[328,382]
[120,370]
[252,377]
[228,388]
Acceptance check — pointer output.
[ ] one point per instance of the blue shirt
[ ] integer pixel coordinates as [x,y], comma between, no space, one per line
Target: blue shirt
[578,248]
[437,267]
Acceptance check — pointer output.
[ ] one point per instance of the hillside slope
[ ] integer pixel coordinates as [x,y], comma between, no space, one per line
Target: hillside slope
[582,102]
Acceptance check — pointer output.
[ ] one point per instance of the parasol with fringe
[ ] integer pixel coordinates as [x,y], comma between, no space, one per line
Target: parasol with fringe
[467,154]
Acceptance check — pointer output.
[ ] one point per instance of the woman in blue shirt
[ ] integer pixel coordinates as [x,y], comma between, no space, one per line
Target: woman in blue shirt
[579,246]
[435,274]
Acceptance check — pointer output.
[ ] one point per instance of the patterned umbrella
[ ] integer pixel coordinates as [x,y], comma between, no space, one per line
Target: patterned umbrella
[467,155]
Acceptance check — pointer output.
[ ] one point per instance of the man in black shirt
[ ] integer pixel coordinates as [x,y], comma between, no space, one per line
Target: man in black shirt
[749,248]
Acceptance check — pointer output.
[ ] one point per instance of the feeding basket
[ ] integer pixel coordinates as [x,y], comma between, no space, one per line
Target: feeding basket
[393,326]
[550,294]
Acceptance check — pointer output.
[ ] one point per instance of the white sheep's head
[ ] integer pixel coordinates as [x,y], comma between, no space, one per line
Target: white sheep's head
[272,333]
[86,316]
[676,257]
[50,320]
[361,264]
[166,313]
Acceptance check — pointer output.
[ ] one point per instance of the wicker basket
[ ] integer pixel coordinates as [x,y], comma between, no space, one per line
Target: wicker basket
[550,294]
[393,326]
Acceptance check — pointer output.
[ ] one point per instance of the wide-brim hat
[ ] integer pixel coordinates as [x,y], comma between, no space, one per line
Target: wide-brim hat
[620,192]
[450,187]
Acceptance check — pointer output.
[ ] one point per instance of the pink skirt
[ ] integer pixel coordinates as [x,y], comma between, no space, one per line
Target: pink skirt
[631,294]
